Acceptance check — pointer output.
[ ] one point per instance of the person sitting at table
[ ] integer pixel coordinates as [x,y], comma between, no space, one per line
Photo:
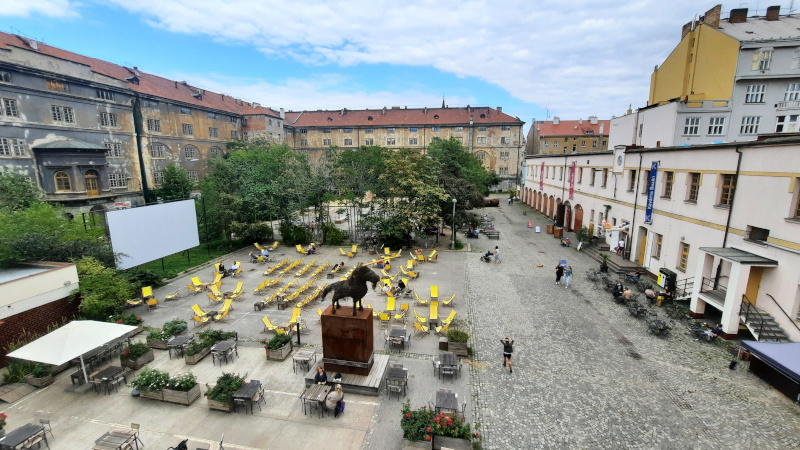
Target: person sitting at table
[233,268]
[634,274]
[401,287]
[265,253]
[253,258]
[617,290]
[221,269]
[321,377]
[334,400]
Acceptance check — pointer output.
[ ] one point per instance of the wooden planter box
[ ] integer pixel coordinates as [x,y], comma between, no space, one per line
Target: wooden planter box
[194,359]
[157,343]
[459,348]
[440,442]
[279,354]
[137,364]
[416,444]
[182,397]
[155,395]
[219,406]
[39,382]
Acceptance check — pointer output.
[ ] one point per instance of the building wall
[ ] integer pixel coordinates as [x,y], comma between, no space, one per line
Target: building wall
[550,145]
[35,321]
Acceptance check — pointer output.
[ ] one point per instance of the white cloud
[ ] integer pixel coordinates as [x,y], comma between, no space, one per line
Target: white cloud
[576,58]
[27,8]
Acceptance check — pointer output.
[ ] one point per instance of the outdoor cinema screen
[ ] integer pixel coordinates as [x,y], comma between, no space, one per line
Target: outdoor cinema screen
[147,233]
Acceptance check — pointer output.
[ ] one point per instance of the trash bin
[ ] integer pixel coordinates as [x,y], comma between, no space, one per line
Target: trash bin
[443,343]
[558,232]
[666,278]
[549,229]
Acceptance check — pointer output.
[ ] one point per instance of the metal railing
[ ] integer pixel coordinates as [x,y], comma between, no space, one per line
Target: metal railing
[709,284]
[784,312]
[752,314]
[683,288]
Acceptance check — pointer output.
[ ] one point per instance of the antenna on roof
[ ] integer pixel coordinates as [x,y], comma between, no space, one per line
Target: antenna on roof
[443,100]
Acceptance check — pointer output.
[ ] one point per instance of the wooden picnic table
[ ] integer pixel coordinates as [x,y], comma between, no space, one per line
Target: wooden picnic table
[18,436]
[116,439]
[448,359]
[397,336]
[221,349]
[315,394]
[303,358]
[177,344]
[108,375]
[446,400]
[397,376]
[247,392]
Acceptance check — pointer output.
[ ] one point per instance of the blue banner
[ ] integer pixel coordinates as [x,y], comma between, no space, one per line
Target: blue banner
[651,193]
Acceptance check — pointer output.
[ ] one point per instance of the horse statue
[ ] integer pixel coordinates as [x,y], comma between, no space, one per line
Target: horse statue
[355,287]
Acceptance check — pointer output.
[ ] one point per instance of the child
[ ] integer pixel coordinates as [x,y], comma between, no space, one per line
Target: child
[508,349]
[568,275]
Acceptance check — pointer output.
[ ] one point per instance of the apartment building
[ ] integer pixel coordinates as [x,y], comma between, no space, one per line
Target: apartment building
[491,135]
[567,136]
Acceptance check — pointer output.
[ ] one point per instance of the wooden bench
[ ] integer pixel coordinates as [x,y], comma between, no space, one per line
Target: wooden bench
[493,234]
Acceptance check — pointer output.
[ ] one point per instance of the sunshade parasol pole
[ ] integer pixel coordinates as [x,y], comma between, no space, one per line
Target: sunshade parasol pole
[83,367]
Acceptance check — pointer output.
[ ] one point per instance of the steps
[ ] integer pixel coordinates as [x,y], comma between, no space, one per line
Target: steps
[770,331]
[615,263]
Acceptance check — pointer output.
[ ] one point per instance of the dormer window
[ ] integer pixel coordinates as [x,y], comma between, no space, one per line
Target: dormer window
[330,119]
[435,116]
[197,95]
[589,132]
[483,116]
[369,117]
[134,80]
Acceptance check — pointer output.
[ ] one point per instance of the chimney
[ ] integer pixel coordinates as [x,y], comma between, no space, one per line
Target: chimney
[602,126]
[499,109]
[384,111]
[176,85]
[556,120]
[773,12]
[580,122]
[425,110]
[711,16]
[136,69]
[593,120]
[687,27]
[283,114]
[470,120]
[341,113]
[738,15]
[469,110]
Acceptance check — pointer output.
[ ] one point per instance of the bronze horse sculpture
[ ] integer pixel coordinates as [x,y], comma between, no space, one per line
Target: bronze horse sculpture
[355,287]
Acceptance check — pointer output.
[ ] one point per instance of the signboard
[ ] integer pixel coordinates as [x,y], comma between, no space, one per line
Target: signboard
[651,193]
[541,177]
[572,179]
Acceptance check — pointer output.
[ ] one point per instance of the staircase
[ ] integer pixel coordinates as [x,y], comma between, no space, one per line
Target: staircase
[615,263]
[761,324]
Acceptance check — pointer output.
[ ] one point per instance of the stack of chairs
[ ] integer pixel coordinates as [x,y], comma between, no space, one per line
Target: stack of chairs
[306,268]
[276,267]
[264,284]
[238,291]
[319,270]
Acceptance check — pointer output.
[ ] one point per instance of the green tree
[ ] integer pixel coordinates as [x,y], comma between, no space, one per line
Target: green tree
[16,191]
[176,186]
[102,291]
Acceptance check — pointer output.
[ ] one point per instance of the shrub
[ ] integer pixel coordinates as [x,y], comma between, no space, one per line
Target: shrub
[457,336]
[196,347]
[182,382]
[214,336]
[134,351]
[226,386]
[140,278]
[3,418]
[151,380]
[251,232]
[41,370]
[16,370]
[126,319]
[102,291]
[294,234]
[332,235]
[172,328]
[423,423]
[277,341]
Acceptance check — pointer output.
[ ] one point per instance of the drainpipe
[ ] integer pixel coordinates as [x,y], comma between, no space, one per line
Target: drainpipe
[730,211]
[635,203]
[139,130]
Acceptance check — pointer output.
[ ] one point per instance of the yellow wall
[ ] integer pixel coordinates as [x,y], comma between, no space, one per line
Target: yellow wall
[701,67]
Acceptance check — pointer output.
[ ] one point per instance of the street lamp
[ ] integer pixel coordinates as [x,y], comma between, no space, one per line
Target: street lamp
[453,230]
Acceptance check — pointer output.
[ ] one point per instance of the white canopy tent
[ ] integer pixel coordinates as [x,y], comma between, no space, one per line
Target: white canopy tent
[71,341]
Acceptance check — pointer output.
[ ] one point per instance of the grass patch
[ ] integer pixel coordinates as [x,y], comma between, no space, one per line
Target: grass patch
[174,264]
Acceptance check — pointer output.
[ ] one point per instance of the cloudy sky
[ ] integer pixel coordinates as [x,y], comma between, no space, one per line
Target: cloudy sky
[535,58]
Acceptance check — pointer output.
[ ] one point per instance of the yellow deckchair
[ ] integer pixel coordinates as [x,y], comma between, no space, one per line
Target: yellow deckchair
[197,283]
[434,311]
[300,249]
[402,314]
[193,290]
[450,317]
[384,318]
[354,249]
[134,302]
[216,292]
[217,280]
[390,304]
[420,319]
[152,303]
[212,299]
[274,246]
[198,310]
[442,330]
[200,320]
[268,326]
[434,292]
[421,330]
[319,313]
[174,296]
[238,291]
[449,301]
[258,246]
[220,317]
[386,251]
[420,300]
[147,292]
[433,257]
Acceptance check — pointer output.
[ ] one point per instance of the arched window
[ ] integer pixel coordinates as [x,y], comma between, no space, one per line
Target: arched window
[158,150]
[189,151]
[215,151]
[62,181]
[90,180]
[480,155]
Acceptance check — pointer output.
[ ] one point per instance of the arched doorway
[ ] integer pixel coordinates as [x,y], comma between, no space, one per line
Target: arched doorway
[540,207]
[578,217]
[567,216]
[552,207]
[90,180]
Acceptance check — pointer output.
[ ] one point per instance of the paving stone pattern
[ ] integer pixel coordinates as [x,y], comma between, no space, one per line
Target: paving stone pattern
[589,375]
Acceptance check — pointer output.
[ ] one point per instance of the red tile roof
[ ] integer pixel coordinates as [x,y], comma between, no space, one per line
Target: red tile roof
[148,84]
[405,117]
[572,128]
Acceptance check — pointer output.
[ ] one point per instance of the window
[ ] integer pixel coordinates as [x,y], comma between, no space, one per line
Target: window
[10,107]
[234,134]
[390,130]
[796,210]
[480,155]
[591,181]
[326,131]
[188,129]
[390,141]
[580,175]
[645,176]
[716,126]
[326,142]
[755,93]
[369,141]
[504,155]
[368,130]
[545,144]
[212,115]
[555,144]
[750,125]
[245,136]
[189,151]
[62,114]
[108,120]
[727,189]
[668,179]
[152,104]
[412,129]
[158,178]
[657,242]
[583,144]
[691,126]
[113,149]
[154,125]
[502,171]
[560,173]
[481,128]
[505,127]
[437,128]
[605,177]
[792,92]
[215,151]
[683,258]
[104,95]
[505,140]
[594,144]
[157,150]
[117,180]
[5,77]
[762,59]
[213,132]
[12,147]
[481,140]
[303,131]
[304,142]
[757,234]
[786,124]
[694,186]
[413,141]
[235,120]
[604,143]
[632,181]
[460,139]
[348,142]
[62,181]
[192,175]
[57,86]
[458,128]
[348,130]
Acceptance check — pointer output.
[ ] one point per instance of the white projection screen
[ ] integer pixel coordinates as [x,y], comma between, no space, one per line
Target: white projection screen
[147,233]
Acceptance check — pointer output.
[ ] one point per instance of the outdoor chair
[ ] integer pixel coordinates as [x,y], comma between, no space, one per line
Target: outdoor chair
[434,311]
[215,290]
[134,302]
[115,384]
[238,291]
[402,314]
[422,330]
[420,319]
[192,290]
[174,296]
[152,303]
[212,299]
[274,246]
[237,402]
[442,330]
[420,301]
[268,326]
[449,301]
[433,257]
[390,304]
[147,292]
[384,317]
[300,250]
[45,423]
[434,292]
[221,316]
[197,283]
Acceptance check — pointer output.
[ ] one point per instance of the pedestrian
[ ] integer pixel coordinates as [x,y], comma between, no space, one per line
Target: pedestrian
[497,255]
[312,227]
[508,349]
[559,273]
[621,248]
[568,275]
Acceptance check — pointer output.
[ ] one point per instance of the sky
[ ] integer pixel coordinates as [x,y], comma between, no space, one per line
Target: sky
[535,58]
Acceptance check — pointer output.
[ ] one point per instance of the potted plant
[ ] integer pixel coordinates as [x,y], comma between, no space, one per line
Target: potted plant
[279,347]
[182,389]
[127,319]
[604,263]
[150,382]
[159,338]
[443,430]
[136,355]
[219,396]
[3,418]
[457,342]
[198,349]
[582,235]
[40,375]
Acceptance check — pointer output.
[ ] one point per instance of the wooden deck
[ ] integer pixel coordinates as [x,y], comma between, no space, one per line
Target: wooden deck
[13,392]
[358,384]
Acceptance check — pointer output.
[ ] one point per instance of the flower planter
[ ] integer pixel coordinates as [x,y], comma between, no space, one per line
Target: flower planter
[155,395]
[440,442]
[279,354]
[194,359]
[459,348]
[219,406]
[416,444]
[157,343]
[39,382]
[182,397]
[137,363]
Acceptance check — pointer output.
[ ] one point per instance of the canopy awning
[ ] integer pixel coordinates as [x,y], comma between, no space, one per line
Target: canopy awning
[740,256]
[781,356]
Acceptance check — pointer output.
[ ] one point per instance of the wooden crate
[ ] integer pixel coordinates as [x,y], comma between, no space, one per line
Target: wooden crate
[194,359]
[182,397]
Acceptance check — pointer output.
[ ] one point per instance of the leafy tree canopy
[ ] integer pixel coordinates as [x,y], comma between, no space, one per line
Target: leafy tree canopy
[176,186]
[16,191]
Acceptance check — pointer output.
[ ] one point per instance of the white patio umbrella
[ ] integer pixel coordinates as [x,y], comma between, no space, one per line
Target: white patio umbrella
[71,341]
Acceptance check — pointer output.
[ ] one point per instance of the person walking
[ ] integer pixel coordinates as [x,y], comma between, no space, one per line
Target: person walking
[568,275]
[497,255]
[621,247]
[559,273]
[508,349]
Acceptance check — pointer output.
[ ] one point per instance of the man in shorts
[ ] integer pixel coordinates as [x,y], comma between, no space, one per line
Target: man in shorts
[508,349]
[497,255]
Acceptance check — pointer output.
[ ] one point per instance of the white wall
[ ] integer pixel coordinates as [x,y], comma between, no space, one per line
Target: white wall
[44,283]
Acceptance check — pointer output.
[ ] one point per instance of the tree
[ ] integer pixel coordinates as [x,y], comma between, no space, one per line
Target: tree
[176,186]
[16,191]
[102,291]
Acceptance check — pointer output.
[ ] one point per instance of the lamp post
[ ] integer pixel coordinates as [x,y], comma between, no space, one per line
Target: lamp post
[453,230]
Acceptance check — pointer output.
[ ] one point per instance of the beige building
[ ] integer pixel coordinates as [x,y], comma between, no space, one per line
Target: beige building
[567,136]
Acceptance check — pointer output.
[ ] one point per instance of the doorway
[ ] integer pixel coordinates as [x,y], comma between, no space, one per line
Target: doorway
[90,180]
[753,285]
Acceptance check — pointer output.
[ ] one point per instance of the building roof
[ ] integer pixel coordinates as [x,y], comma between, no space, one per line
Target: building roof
[70,143]
[759,29]
[572,128]
[739,256]
[149,84]
[399,117]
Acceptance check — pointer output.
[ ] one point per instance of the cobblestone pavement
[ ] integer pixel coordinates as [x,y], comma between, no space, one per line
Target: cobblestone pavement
[589,375]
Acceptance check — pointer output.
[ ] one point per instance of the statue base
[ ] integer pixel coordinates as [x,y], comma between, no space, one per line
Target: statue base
[347,341]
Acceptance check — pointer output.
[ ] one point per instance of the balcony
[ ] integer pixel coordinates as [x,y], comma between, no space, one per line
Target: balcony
[789,104]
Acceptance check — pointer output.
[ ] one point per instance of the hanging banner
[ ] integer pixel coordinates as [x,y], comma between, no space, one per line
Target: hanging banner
[572,179]
[541,178]
[651,193]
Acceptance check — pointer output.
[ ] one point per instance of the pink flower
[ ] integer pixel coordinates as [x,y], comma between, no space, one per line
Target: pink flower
[408,415]
[428,430]
[428,437]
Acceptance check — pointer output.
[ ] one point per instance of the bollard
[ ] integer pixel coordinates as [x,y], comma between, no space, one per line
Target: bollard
[469,247]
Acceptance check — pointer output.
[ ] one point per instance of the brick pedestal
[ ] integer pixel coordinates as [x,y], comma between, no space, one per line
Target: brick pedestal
[347,341]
